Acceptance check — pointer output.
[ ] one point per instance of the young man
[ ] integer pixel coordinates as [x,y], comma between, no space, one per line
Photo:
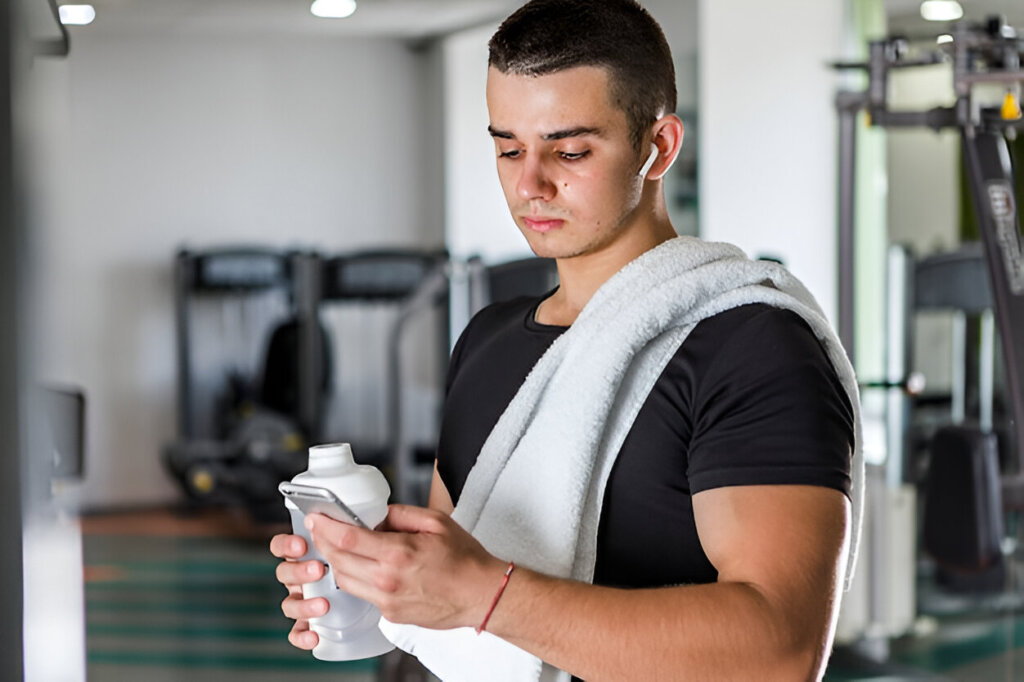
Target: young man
[720,520]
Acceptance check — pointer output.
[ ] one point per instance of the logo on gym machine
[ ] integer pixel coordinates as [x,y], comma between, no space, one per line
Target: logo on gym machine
[1001,198]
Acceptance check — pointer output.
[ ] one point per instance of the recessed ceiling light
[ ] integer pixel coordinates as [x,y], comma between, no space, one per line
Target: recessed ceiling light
[941,10]
[333,9]
[76,15]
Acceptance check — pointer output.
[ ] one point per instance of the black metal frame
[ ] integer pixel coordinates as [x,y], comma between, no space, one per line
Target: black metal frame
[212,271]
[980,53]
[991,179]
[11,258]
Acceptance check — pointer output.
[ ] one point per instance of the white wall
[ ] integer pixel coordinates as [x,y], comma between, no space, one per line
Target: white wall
[477,220]
[768,132]
[205,139]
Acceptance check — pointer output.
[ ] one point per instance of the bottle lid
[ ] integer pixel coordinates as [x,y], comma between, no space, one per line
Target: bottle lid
[333,466]
[331,456]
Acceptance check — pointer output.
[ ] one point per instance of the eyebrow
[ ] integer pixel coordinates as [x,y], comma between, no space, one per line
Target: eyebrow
[557,135]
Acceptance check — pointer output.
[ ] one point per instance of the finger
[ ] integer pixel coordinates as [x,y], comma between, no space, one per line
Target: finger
[297,608]
[332,536]
[362,577]
[408,519]
[299,572]
[302,637]
[288,546]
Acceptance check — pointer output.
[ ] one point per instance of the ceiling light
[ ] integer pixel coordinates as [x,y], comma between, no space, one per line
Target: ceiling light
[944,39]
[333,9]
[941,10]
[76,15]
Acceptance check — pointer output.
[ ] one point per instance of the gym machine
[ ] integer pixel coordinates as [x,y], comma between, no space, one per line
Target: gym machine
[242,431]
[981,54]
[413,284]
[243,421]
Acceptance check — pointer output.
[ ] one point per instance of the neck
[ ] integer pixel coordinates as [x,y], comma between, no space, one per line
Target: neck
[581,276]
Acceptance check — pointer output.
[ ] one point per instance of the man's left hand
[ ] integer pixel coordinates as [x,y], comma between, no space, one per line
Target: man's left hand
[418,567]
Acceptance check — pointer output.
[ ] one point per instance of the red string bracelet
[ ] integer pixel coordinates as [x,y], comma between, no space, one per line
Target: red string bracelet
[501,590]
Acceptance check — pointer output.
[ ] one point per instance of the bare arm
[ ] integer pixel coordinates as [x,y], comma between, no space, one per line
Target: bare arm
[771,615]
[440,499]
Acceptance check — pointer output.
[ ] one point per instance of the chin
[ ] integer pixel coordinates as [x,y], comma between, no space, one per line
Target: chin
[542,249]
[548,245]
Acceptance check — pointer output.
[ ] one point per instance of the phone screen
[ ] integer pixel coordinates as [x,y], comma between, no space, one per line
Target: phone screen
[314,499]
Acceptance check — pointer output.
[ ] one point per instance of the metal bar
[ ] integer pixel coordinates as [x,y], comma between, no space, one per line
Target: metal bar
[405,474]
[848,111]
[460,299]
[11,569]
[986,370]
[990,77]
[306,280]
[938,118]
[183,283]
[959,370]
[878,72]
[898,306]
[988,164]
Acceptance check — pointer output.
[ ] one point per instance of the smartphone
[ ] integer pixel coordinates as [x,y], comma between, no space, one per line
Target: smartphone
[314,499]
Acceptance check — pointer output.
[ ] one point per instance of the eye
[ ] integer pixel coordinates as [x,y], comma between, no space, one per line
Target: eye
[573,156]
[510,154]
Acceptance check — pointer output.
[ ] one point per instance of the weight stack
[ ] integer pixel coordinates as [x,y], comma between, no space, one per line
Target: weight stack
[963,521]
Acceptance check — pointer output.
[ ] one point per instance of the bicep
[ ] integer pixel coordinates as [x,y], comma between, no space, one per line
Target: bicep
[786,541]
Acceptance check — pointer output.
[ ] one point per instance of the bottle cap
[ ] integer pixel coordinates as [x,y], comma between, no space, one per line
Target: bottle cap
[333,466]
[332,456]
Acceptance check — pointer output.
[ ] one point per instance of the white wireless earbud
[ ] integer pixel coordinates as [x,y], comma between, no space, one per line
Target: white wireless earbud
[649,162]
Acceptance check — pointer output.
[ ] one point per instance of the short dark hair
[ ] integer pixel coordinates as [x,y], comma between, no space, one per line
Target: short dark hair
[545,36]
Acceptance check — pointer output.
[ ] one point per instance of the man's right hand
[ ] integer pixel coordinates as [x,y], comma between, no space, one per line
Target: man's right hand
[294,574]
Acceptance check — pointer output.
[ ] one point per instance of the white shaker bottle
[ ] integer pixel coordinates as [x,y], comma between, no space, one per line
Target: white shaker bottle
[349,629]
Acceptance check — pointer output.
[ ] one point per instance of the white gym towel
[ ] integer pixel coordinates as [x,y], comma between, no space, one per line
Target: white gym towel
[535,493]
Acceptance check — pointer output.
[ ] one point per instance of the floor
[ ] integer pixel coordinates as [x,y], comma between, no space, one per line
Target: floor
[192,597]
[172,597]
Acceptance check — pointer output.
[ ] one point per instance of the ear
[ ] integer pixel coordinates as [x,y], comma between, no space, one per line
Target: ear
[667,136]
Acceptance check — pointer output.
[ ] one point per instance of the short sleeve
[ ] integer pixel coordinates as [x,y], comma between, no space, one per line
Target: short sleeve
[769,409]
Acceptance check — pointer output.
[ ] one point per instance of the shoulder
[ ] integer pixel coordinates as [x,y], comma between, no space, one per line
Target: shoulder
[754,320]
[768,407]
[754,340]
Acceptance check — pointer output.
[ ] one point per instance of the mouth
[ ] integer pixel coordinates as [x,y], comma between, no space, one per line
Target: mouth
[539,224]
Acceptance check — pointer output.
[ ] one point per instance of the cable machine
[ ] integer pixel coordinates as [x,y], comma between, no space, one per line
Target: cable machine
[243,406]
[987,53]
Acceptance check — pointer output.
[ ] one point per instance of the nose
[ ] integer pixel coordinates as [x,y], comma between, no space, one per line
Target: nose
[533,182]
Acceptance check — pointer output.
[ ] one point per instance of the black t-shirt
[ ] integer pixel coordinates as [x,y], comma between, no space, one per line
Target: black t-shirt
[749,398]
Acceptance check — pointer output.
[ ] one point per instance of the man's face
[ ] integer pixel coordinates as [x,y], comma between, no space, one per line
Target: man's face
[565,161]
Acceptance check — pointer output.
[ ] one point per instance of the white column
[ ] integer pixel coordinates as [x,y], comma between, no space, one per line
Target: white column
[768,132]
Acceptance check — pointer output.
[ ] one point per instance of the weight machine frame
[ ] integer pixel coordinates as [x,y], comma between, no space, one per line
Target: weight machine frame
[980,53]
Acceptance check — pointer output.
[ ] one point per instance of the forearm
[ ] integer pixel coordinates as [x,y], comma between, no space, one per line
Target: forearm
[705,632]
